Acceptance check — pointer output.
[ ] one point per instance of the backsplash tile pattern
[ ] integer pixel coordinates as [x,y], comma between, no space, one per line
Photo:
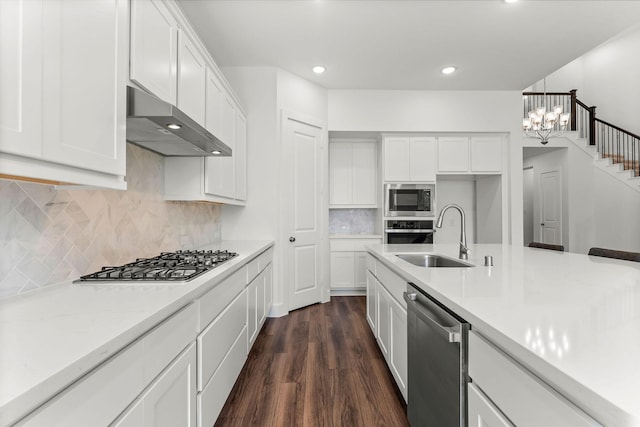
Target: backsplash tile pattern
[352,221]
[49,235]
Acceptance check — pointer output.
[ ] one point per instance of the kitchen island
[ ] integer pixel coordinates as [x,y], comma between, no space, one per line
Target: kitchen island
[52,337]
[571,320]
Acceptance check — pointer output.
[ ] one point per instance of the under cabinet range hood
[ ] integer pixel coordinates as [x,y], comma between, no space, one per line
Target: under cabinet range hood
[161,127]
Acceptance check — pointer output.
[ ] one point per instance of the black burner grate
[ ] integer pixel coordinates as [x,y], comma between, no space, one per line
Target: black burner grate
[168,266]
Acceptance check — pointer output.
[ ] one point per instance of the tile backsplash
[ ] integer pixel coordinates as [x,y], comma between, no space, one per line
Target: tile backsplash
[352,221]
[49,235]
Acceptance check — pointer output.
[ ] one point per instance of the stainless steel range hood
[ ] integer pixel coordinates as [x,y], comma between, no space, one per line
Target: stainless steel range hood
[161,127]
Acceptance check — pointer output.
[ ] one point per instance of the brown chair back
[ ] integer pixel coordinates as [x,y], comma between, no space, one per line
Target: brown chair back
[546,246]
[612,253]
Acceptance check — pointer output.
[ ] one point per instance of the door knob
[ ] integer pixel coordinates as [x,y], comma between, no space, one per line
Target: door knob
[542,224]
[292,239]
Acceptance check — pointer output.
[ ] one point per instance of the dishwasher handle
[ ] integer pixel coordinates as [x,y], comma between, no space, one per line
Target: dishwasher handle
[446,332]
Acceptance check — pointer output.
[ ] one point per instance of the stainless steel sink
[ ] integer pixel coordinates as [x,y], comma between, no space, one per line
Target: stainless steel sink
[433,260]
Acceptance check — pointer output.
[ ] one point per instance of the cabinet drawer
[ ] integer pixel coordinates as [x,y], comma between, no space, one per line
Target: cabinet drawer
[212,398]
[522,397]
[219,336]
[214,301]
[395,284]
[265,258]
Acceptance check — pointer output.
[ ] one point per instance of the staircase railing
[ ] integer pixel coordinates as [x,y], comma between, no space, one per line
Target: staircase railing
[611,141]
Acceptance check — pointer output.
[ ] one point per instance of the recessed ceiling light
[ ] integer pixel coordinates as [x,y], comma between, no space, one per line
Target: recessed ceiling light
[510,1]
[215,152]
[319,69]
[174,126]
[448,70]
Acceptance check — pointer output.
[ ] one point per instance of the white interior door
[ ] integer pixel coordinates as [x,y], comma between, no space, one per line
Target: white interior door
[302,198]
[550,208]
[528,207]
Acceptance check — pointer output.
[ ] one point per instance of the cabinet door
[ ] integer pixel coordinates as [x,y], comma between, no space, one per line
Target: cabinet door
[171,400]
[154,55]
[486,154]
[240,155]
[361,269]
[342,270]
[268,286]
[398,344]
[227,132]
[453,154]
[340,173]
[260,298]
[423,159]
[252,312]
[84,83]
[363,167]
[481,412]
[191,79]
[384,320]
[133,417]
[397,157]
[21,77]
[372,303]
[213,103]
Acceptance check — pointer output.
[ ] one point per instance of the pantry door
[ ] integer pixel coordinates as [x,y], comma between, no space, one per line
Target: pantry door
[303,146]
[551,208]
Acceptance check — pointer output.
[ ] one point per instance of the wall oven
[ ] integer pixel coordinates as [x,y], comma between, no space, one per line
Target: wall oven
[403,232]
[409,200]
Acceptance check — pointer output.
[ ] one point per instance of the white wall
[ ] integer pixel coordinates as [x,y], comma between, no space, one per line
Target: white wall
[608,78]
[488,209]
[461,192]
[265,91]
[442,111]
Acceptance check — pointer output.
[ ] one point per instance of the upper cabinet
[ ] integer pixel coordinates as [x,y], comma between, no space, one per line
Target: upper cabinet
[352,174]
[476,154]
[169,60]
[63,103]
[409,159]
[192,74]
[154,43]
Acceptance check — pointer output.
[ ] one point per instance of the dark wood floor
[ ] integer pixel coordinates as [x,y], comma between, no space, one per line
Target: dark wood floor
[318,366]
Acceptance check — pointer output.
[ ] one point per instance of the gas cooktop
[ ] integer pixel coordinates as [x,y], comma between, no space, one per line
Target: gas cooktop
[179,266]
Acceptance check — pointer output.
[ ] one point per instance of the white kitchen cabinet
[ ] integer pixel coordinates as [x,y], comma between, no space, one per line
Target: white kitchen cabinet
[481,412]
[453,154]
[214,94]
[63,104]
[154,55]
[170,400]
[521,396]
[475,154]
[409,159]
[342,270]
[372,303]
[252,311]
[398,348]
[192,75]
[259,294]
[352,174]
[118,382]
[240,157]
[383,299]
[348,259]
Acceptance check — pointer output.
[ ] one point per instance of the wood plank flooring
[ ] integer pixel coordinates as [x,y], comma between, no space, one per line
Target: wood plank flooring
[318,366]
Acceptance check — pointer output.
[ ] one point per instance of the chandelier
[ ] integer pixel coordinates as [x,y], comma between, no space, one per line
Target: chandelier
[543,124]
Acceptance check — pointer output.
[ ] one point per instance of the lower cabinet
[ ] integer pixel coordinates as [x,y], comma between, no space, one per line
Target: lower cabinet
[503,392]
[348,260]
[170,400]
[181,372]
[387,317]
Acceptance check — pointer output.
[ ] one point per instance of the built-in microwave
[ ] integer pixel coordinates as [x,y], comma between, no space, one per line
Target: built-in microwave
[409,200]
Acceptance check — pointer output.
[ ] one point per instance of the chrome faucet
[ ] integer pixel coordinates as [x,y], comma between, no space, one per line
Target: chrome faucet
[464,250]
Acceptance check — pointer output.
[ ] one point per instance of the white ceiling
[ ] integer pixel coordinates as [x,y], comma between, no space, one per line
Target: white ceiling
[396,44]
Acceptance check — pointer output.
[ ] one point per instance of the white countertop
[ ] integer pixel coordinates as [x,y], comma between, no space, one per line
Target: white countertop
[52,336]
[355,236]
[573,319]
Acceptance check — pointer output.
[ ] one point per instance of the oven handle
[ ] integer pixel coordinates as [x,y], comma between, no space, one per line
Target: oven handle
[410,230]
[445,332]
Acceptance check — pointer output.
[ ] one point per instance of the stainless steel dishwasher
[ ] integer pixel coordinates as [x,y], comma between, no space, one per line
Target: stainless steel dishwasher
[437,380]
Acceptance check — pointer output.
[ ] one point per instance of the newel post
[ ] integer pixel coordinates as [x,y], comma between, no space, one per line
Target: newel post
[574,109]
[592,125]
